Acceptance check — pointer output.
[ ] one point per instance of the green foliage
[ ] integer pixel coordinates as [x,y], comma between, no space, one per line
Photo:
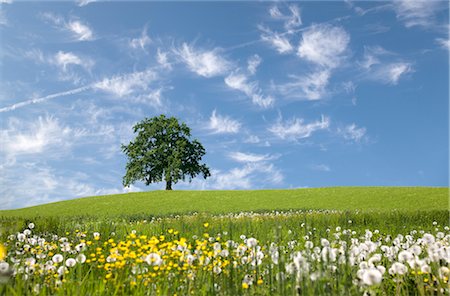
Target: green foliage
[162,150]
[160,203]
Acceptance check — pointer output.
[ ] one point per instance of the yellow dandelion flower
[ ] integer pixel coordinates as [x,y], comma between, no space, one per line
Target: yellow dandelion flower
[260,282]
[244,286]
[206,224]
[2,252]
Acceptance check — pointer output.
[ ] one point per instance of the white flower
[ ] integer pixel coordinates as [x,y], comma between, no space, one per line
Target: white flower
[57,258]
[309,244]
[153,259]
[62,270]
[398,268]
[4,268]
[405,256]
[251,242]
[371,276]
[217,269]
[27,232]
[96,234]
[242,237]
[71,262]
[81,258]
[31,225]
[428,238]
[21,237]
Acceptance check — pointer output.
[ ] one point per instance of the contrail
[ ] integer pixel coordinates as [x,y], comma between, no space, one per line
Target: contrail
[46,98]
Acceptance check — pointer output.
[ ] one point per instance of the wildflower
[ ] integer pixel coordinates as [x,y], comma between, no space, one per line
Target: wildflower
[206,224]
[31,225]
[2,252]
[58,258]
[71,262]
[371,276]
[405,256]
[251,242]
[398,268]
[428,239]
[21,237]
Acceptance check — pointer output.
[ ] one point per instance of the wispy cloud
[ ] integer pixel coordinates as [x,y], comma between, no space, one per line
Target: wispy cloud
[384,66]
[324,45]
[223,124]
[163,59]
[444,43]
[140,42]
[85,2]
[65,59]
[310,86]
[278,41]
[250,157]
[252,63]
[296,128]
[352,133]
[391,73]
[79,30]
[321,167]
[291,20]
[417,13]
[250,175]
[35,137]
[127,84]
[206,63]
[239,81]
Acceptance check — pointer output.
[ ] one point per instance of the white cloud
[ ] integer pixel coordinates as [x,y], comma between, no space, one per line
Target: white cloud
[251,175]
[29,184]
[127,84]
[391,73]
[3,18]
[417,12]
[253,62]
[321,167]
[80,30]
[36,55]
[141,42]
[296,128]
[278,41]
[252,139]
[310,86]
[223,124]
[21,138]
[352,132]
[291,21]
[444,43]
[85,2]
[324,45]
[163,60]
[240,82]
[64,59]
[206,63]
[249,157]
[383,66]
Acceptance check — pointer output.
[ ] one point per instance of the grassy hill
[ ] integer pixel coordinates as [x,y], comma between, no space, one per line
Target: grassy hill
[163,202]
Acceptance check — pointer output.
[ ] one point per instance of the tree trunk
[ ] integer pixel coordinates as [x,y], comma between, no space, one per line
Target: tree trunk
[169,185]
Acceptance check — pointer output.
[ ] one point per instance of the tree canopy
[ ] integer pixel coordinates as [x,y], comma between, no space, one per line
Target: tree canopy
[163,150]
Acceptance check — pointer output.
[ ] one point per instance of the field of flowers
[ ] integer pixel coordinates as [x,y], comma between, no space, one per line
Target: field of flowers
[273,253]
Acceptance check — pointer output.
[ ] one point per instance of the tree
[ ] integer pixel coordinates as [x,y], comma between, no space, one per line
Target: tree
[162,150]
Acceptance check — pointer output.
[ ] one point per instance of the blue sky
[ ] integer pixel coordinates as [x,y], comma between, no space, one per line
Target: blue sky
[281,94]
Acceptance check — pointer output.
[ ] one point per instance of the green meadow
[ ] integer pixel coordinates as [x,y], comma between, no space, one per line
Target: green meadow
[321,241]
[161,203]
